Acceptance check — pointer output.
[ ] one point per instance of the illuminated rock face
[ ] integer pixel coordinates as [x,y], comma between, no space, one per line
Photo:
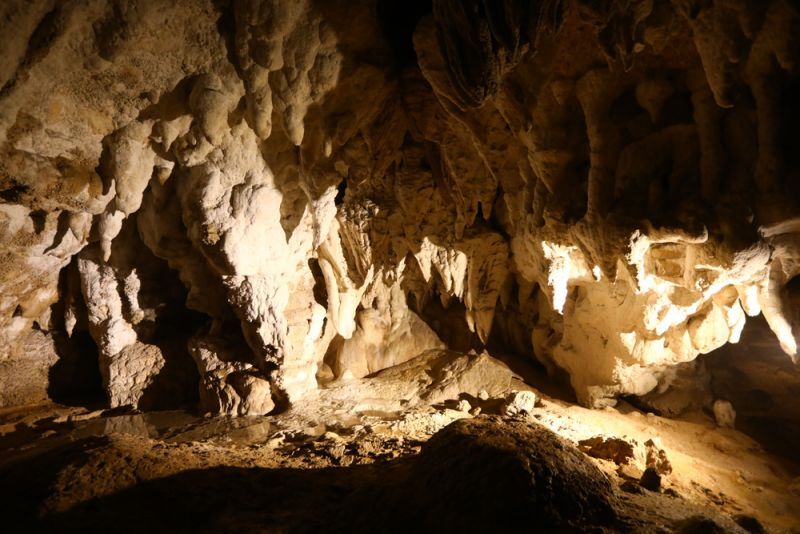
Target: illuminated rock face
[615,190]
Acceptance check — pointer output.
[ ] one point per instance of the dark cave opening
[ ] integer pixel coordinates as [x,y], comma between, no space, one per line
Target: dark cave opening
[762,384]
[397,21]
[341,191]
[75,378]
[449,323]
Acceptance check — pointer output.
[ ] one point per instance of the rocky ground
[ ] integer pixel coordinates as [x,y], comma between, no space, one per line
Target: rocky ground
[448,441]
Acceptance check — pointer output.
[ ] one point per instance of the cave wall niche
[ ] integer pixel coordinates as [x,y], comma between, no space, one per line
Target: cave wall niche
[761,384]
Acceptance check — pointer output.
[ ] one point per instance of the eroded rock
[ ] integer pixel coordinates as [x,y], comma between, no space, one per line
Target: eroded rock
[610,180]
[519,403]
[617,450]
[540,473]
[724,413]
[229,385]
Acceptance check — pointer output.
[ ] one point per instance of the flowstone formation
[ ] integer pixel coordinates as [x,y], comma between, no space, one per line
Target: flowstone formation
[251,198]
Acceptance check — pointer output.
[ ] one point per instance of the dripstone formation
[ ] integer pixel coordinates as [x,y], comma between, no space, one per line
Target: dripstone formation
[250,198]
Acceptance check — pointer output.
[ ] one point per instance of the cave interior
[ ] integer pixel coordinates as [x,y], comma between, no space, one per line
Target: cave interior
[386,265]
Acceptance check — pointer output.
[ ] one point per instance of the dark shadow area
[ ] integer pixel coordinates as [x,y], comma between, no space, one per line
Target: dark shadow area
[397,21]
[75,378]
[172,104]
[320,292]
[26,484]
[481,475]
[224,499]
[790,136]
[325,372]
[159,316]
[39,219]
[554,384]
[14,193]
[484,475]
[509,340]
[226,26]
[165,321]
[450,324]
[61,230]
[487,474]
[341,191]
[763,385]
[176,385]
[293,202]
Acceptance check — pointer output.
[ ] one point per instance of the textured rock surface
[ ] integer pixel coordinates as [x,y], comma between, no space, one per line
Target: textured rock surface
[346,459]
[519,403]
[170,470]
[538,474]
[610,187]
[27,374]
[228,386]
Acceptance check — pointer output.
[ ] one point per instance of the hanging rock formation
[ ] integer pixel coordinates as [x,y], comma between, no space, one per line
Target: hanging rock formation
[258,196]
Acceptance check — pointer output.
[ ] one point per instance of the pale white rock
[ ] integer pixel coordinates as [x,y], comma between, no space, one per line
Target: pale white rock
[387,334]
[104,303]
[709,330]
[345,285]
[129,372]
[519,403]
[724,413]
[130,164]
[468,374]
[36,245]
[434,377]
[668,313]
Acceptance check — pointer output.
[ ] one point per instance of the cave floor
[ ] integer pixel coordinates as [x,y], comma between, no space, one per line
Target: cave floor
[73,467]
